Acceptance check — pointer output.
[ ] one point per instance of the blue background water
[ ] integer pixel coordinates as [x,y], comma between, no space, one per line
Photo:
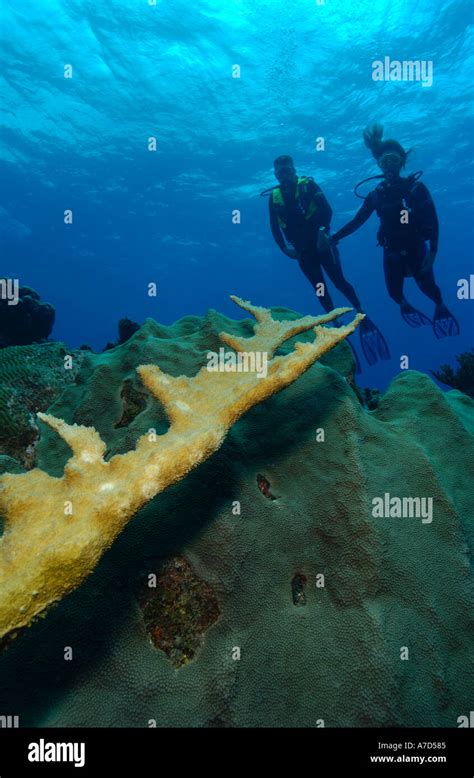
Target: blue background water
[165,216]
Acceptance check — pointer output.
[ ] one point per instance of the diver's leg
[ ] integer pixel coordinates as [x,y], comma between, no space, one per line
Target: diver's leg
[427,284]
[311,268]
[444,322]
[425,281]
[394,269]
[332,265]
[394,274]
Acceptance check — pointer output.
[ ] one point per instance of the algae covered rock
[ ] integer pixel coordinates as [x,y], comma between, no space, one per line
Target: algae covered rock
[56,529]
[26,320]
[463,377]
[31,377]
[278,595]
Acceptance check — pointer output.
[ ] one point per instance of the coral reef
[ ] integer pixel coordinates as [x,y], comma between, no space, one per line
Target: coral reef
[57,528]
[126,328]
[316,597]
[178,609]
[29,321]
[463,377]
[31,378]
[370,398]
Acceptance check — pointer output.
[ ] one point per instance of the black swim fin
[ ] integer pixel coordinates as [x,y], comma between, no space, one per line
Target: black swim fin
[372,342]
[413,317]
[444,323]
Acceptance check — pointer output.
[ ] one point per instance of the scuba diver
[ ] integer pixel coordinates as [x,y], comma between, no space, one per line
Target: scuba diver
[407,220]
[300,215]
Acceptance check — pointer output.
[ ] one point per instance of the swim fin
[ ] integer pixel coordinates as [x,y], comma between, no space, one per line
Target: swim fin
[413,317]
[444,323]
[372,342]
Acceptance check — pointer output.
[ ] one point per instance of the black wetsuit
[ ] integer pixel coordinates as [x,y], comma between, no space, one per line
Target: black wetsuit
[302,233]
[403,243]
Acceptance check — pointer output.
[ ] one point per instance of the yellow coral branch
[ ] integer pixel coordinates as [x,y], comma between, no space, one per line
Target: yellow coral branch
[269,334]
[56,529]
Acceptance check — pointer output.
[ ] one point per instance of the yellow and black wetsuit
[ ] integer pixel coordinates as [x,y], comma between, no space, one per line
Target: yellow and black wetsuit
[296,217]
[299,214]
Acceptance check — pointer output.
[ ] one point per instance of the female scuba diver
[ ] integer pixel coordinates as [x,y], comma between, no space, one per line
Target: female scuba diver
[407,219]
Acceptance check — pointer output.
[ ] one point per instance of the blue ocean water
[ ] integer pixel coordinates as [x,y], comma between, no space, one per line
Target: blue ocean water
[165,70]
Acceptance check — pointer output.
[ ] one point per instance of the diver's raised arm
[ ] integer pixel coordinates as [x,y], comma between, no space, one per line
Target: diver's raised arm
[359,219]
